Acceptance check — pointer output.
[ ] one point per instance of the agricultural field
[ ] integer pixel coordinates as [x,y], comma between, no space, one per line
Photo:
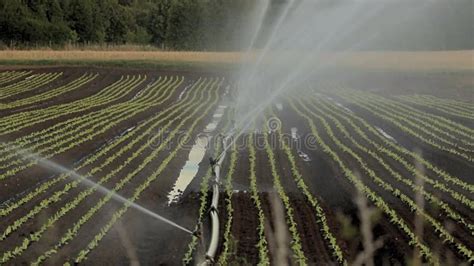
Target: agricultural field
[362,165]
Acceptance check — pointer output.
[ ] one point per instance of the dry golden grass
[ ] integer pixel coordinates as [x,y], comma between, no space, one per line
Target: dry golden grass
[90,55]
[424,61]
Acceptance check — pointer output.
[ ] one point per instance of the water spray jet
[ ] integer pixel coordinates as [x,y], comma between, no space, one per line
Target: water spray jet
[33,157]
[303,31]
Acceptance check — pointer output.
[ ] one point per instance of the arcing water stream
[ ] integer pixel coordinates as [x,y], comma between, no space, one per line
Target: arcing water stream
[30,156]
[308,38]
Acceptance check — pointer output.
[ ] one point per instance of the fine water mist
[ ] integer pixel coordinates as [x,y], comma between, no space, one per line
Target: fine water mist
[306,38]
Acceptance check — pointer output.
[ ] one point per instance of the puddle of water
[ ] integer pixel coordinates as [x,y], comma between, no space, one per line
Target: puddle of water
[294,133]
[211,127]
[137,95]
[140,92]
[237,191]
[227,90]
[385,134]
[149,85]
[304,156]
[216,119]
[294,136]
[30,77]
[340,105]
[279,106]
[343,107]
[190,169]
[184,91]
[196,156]
[128,130]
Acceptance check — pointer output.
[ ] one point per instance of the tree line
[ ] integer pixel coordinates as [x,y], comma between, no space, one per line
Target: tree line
[169,24]
[187,24]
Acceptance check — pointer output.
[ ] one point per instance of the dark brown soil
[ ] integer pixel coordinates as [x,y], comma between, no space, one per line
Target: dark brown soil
[152,242]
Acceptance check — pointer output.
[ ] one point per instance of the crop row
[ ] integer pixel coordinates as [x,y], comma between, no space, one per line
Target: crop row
[65,128]
[413,155]
[204,201]
[71,233]
[402,123]
[229,191]
[102,155]
[369,193]
[437,120]
[118,186]
[418,124]
[124,113]
[262,244]
[111,93]
[322,220]
[439,229]
[96,170]
[397,176]
[451,108]
[431,119]
[116,216]
[425,125]
[58,194]
[398,153]
[51,136]
[296,245]
[9,76]
[86,78]
[31,83]
[448,102]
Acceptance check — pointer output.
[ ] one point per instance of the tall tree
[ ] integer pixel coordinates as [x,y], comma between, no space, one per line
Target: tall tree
[82,19]
[183,25]
[158,24]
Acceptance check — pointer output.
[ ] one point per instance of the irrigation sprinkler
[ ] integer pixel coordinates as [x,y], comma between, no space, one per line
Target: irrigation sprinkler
[213,213]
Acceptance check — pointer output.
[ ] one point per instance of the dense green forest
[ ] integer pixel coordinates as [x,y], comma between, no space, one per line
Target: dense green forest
[171,24]
[176,24]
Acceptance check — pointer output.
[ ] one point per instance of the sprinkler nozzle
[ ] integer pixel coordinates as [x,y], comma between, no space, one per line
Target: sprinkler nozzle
[213,161]
[197,233]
